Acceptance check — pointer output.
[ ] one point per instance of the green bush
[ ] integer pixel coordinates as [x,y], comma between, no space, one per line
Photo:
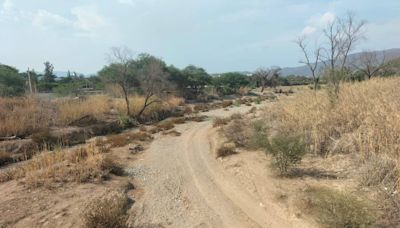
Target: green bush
[259,138]
[286,150]
[339,209]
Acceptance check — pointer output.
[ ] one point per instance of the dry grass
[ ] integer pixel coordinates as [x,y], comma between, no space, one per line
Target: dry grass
[124,139]
[366,113]
[107,211]
[165,125]
[219,121]
[52,169]
[226,150]
[5,158]
[23,116]
[364,119]
[154,112]
[70,110]
[238,132]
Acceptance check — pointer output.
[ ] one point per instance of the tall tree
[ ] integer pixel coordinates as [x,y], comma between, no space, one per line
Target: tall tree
[48,76]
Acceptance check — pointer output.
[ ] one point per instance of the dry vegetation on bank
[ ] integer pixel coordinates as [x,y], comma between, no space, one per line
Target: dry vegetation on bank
[24,116]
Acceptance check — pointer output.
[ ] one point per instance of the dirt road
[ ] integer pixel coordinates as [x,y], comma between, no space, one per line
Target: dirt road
[184,185]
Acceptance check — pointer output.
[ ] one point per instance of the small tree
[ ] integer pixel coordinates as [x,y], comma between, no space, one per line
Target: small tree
[370,64]
[153,78]
[266,77]
[342,35]
[121,71]
[311,60]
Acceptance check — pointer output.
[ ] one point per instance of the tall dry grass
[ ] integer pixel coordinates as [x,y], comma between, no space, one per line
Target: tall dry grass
[23,116]
[365,119]
[70,110]
[54,168]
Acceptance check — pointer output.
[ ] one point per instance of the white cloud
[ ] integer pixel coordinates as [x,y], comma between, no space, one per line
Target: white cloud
[86,21]
[317,22]
[46,20]
[308,30]
[7,6]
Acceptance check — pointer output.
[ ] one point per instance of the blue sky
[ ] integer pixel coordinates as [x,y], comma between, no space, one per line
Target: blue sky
[219,35]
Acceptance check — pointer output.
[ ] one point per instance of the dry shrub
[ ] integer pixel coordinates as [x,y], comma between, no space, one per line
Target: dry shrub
[226,104]
[379,170]
[5,158]
[366,112]
[236,116]
[52,169]
[173,133]
[338,209]
[70,110]
[124,139]
[226,150]
[219,121]
[201,108]
[238,132]
[252,110]
[197,118]
[23,116]
[244,90]
[178,120]
[107,211]
[165,125]
[188,110]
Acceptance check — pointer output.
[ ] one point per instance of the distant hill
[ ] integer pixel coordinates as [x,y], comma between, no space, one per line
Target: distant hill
[390,54]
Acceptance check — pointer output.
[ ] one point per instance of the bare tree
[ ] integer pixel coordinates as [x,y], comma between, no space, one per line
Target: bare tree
[311,60]
[342,35]
[265,76]
[154,83]
[121,71]
[370,63]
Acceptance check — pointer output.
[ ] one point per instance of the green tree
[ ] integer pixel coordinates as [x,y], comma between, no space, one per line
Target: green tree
[230,83]
[48,76]
[11,83]
[197,78]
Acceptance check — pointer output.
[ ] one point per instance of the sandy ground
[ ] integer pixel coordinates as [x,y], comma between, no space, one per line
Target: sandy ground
[178,183]
[184,185]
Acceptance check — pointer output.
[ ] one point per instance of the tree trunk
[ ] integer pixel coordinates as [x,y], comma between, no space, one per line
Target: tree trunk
[128,111]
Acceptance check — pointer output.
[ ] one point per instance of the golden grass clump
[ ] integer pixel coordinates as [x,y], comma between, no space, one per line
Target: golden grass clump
[23,116]
[70,110]
[54,168]
[108,210]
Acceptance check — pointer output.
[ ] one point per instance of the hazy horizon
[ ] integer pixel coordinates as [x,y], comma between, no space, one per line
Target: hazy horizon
[218,36]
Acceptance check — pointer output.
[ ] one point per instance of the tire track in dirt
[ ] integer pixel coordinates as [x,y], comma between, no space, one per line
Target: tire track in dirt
[186,186]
